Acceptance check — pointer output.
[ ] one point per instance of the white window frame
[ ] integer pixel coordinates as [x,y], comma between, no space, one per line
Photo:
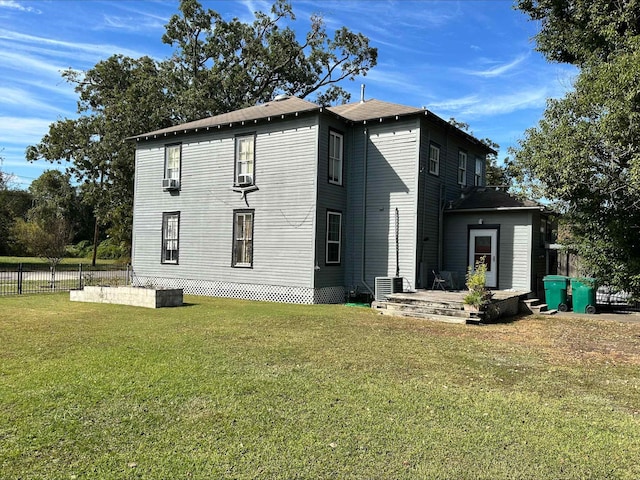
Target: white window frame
[477,177]
[336,156]
[245,157]
[243,238]
[333,239]
[434,159]
[172,161]
[462,167]
[170,237]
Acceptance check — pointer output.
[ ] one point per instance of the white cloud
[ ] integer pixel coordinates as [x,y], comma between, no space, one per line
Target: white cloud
[22,98]
[133,23]
[488,105]
[455,104]
[498,69]
[96,49]
[24,131]
[17,6]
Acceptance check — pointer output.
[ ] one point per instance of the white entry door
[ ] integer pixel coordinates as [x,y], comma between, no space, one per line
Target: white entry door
[483,243]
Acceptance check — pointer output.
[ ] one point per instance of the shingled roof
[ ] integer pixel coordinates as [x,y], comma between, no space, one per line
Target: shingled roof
[488,198]
[372,109]
[279,107]
[283,106]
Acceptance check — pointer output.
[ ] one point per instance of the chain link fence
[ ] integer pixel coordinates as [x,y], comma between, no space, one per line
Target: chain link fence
[31,278]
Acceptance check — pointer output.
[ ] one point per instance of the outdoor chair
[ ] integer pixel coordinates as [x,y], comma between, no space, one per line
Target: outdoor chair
[438,281]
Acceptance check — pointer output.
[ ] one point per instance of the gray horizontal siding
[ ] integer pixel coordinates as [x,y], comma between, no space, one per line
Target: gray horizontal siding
[331,197]
[284,205]
[514,267]
[391,176]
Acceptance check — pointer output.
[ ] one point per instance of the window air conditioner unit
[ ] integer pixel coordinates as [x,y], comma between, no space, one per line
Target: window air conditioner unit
[170,184]
[245,179]
[385,286]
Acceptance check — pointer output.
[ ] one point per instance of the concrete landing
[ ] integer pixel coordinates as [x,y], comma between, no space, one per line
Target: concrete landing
[447,306]
[135,296]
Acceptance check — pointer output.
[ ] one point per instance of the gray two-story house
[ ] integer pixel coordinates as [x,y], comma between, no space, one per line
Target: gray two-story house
[294,202]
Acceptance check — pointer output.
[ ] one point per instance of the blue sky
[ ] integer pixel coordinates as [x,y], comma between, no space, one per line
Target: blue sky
[469,59]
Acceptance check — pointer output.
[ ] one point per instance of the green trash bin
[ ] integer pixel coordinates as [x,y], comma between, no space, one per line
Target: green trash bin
[555,292]
[583,291]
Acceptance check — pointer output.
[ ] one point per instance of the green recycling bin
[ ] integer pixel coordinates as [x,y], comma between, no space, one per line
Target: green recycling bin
[555,292]
[583,291]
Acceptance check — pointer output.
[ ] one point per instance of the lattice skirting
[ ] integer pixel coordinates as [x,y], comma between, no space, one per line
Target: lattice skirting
[268,293]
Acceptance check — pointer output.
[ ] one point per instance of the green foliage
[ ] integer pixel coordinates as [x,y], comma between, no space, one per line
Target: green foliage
[44,238]
[479,296]
[585,155]
[118,96]
[110,249]
[583,31]
[221,65]
[14,204]
[48,226]
[225,388]
[82,249]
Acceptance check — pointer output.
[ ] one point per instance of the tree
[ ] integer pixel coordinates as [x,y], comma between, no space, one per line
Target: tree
[220,65]
[585,156]
[14,205]
[583,31]
[47,229]
[119,96]
[47,239]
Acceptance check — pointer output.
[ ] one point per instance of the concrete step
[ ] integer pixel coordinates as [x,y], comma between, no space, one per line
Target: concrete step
[425,303]
[541,307]
[419,310]
[423,315]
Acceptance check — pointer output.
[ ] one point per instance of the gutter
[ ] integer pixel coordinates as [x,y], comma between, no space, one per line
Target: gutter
[494,209]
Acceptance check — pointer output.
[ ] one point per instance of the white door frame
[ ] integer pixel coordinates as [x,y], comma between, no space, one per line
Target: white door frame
[489,248]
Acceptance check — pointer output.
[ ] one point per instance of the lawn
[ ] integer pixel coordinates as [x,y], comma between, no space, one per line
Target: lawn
[233,389]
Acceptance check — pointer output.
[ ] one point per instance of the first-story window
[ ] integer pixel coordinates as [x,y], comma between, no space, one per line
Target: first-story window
[434,159]
[477,178]
[242,238]
[462,168]
[334,237]
[170,236]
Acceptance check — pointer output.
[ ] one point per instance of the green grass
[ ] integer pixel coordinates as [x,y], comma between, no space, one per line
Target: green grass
[232,389]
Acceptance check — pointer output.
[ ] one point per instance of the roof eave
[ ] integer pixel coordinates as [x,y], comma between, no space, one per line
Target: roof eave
[175,131]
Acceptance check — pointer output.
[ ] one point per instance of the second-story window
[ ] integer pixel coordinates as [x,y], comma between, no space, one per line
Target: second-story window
[434,159]
[245,160]
[335,157]
[462,168]
[172,161]
[477,178]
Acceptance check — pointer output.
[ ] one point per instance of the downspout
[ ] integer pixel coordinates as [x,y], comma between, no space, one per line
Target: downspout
[441,226]
[441,200]
[364,211]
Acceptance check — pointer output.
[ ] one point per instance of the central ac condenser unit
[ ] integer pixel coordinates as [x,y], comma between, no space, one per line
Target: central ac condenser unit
[385,286]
